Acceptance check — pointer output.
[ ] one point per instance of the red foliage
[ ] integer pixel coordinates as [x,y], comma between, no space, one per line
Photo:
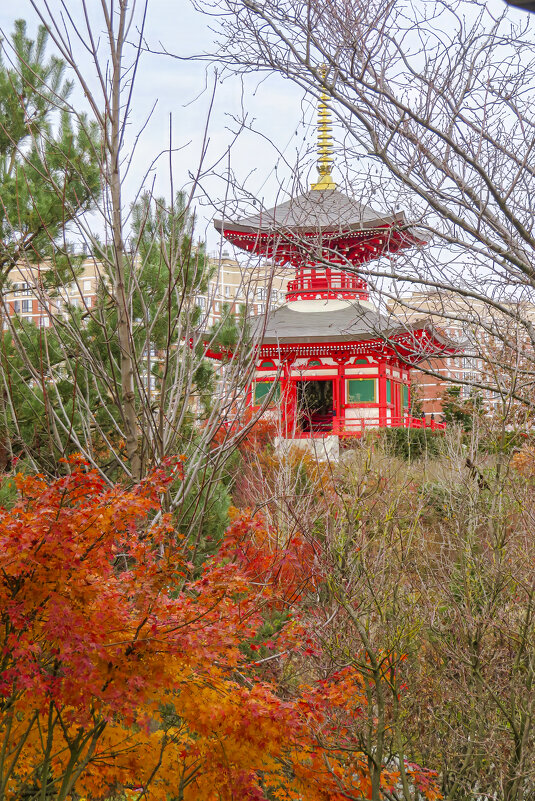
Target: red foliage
[118,670]
[286,569]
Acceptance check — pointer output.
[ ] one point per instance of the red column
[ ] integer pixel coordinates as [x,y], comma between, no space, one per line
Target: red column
[382,394]
[340,401]
[288,397]
[396,400]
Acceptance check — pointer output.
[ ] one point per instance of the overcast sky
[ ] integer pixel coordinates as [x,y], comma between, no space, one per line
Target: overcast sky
[281,117]
[183,88]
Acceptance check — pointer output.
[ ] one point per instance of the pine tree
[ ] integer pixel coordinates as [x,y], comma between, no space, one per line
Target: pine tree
[457,410]
[49,170]
[72,366]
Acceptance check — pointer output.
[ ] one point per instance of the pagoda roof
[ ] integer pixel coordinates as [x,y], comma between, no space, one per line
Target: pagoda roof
[316,210]
[351,324]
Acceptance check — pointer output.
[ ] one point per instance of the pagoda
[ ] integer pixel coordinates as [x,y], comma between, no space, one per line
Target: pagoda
[327,360]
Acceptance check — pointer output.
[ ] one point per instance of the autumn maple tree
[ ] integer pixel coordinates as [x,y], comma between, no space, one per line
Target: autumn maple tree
[124,667]
[105,661]
[335,705]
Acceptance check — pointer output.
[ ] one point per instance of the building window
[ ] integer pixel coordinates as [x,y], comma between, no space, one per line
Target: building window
[388,391]
[87,286]
[87,301]
[261,308]
[25,289]
[16,306]
[361,390]
[261,293]
[26,306]
[227,292]
[15,289]
[262,390]
[43,322]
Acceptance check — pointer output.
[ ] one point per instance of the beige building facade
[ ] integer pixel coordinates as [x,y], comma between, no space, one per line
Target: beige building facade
[26,294]
[232,287]
[236,286]
[493,346]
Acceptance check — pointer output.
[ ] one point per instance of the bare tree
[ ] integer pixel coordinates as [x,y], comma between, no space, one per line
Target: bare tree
[126,381]
[436,101]
[422,582]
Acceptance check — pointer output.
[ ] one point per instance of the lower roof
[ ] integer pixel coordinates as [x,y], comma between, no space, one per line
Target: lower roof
[351,322]
[348,323]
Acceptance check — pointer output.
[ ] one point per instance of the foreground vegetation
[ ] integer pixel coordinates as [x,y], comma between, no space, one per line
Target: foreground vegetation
[360,630]
[230,622]
[427,590]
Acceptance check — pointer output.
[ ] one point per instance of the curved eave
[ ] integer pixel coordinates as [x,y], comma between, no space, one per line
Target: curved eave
[337,247]
[423,349]
[219,355]
[421,341]
[413,346]
[210,352]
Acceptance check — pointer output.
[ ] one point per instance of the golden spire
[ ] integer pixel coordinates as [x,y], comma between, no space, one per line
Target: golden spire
[325,149]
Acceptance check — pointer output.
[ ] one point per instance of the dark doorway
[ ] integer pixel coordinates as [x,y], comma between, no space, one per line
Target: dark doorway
[315,405]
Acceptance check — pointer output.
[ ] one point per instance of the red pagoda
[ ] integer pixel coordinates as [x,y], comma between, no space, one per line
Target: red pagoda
[326,359]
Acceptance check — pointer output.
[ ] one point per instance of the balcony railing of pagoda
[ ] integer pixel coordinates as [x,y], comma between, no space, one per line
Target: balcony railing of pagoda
[328,282]
[356,428]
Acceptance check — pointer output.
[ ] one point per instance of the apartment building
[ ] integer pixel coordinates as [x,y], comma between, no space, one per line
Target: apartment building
[25,294]
[231,287]
[234,286]
[493,344]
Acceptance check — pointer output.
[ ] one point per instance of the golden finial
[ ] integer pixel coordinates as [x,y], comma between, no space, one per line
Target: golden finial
[325,149]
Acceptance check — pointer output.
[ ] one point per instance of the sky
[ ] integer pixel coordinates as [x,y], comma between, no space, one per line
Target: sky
[182,90]
[262,159]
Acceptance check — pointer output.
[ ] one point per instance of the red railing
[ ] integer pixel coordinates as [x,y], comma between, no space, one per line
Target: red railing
[336,281]
[356,428]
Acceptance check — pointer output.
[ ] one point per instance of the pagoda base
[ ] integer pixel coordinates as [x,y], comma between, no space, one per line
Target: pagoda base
[324,448]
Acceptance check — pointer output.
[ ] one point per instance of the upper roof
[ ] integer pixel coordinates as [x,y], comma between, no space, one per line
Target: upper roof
[328,209]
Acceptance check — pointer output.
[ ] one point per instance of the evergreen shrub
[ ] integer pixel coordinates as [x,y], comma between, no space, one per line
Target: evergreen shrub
[412,443]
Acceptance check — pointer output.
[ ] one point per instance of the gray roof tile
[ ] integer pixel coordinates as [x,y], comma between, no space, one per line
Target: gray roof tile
[315,210]
[353,323]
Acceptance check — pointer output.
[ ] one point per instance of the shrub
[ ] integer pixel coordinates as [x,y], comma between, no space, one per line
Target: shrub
[412,443]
